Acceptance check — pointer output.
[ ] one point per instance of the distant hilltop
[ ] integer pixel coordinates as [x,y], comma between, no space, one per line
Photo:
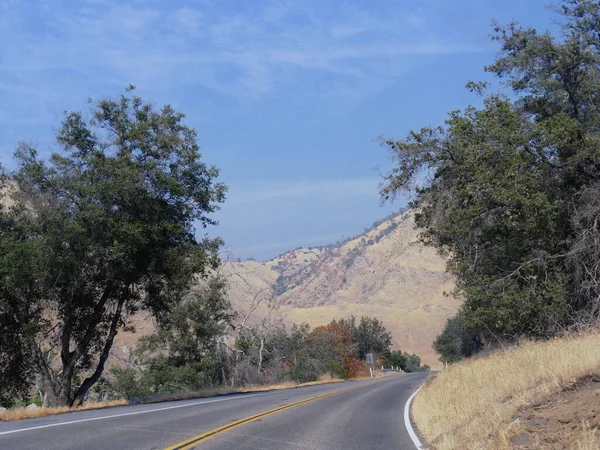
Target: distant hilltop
[383,272]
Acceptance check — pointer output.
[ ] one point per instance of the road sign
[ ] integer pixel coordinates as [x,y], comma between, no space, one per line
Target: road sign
[369,358]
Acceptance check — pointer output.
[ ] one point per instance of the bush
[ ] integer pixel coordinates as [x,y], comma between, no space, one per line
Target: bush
[128,384]
[456,342]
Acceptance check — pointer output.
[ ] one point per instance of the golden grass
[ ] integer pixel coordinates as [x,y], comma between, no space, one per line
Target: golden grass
[24,413]
[470,405]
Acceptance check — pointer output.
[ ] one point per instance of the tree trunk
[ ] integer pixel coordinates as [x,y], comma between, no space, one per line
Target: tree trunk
[48,381]
[92,379]
[260,355]
[58,386]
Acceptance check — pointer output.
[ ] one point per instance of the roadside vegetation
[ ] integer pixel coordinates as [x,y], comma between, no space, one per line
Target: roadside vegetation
[491,402]
[257,356]
[22,412]
[19,409]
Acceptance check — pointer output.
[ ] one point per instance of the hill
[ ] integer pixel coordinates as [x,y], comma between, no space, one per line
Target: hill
[383,272]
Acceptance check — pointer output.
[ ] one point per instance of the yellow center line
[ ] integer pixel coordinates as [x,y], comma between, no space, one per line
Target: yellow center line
[193,441]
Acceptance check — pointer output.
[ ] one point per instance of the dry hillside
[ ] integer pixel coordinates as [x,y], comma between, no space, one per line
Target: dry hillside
[384,272]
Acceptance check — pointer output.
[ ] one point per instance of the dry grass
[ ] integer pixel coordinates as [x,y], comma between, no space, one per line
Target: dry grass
[24,413]
[588,440]
[470,405]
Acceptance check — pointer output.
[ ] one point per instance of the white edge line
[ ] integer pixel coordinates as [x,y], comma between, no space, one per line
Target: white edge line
[408,425]
[112,416]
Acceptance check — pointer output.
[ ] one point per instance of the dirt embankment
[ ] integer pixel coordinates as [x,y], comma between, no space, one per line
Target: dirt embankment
[567,419]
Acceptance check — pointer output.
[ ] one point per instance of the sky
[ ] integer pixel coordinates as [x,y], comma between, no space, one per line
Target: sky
[288,97]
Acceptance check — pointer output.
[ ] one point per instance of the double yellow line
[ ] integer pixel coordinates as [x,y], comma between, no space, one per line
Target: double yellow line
[193,441]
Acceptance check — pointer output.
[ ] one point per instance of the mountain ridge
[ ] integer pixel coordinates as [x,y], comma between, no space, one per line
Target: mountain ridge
[384,272]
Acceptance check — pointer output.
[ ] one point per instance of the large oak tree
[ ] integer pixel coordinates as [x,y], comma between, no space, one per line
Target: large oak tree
[102,229]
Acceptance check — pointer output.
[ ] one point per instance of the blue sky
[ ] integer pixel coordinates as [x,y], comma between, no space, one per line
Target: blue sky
[288,97]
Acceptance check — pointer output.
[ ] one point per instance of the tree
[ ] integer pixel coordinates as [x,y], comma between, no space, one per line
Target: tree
[505,190]
[455,342]
[369,336]
[107,228]
[303,355]
[16,281]
[257,337]
[413,363]
[333,346]
[182,354]
[395,358]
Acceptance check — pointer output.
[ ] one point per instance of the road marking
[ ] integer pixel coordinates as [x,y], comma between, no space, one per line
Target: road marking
[408,425]
[112,416]
[193,441]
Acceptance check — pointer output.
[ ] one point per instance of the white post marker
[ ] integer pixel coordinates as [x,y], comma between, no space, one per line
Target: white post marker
[369,357]
[408,425]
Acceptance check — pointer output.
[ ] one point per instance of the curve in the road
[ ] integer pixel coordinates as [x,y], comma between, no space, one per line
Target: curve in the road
[364,419]
[192,442]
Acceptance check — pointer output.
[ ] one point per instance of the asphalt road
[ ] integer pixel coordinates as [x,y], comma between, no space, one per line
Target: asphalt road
[363,415]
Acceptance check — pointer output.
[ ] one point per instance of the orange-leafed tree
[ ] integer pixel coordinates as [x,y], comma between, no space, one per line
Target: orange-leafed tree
[333,342]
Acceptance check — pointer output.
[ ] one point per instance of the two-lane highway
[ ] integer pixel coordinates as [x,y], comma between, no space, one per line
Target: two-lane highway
[351,415]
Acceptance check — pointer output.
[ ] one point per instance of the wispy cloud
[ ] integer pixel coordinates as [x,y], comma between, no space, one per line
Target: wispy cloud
[242,50]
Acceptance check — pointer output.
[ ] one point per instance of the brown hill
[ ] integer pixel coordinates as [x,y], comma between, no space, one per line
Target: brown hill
[384,272]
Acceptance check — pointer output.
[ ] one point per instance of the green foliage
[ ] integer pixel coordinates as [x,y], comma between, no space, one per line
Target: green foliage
[186,354]
[412,363]
[304,355]
[127,383]
[280,285]
[301,358]
[395,358]
[19,317]
[507,191]
[405,361]
[101,230]
[188,331]
[369,336]
[183,354]
[336,350]
[455,342]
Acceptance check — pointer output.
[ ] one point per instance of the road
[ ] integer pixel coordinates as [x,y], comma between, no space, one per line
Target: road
[350,415]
